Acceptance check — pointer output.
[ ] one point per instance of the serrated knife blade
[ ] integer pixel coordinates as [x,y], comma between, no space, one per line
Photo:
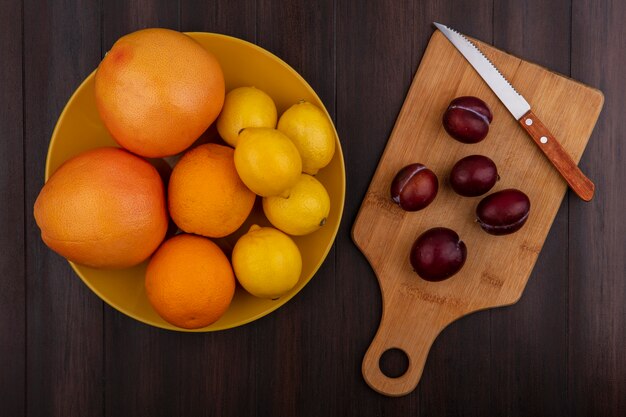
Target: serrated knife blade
[520,109]
[512,100]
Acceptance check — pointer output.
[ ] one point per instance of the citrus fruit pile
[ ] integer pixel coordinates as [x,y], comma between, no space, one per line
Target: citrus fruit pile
[157,91]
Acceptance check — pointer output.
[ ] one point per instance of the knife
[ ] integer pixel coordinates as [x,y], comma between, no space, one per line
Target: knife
[520,109]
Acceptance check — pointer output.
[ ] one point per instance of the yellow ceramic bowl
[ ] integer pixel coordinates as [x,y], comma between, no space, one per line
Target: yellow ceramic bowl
[79,128]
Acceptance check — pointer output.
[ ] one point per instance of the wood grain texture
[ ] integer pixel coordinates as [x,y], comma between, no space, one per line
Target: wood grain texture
[417,310]
[12,248]
[557,352]
[597,244]
[122,17]
[529,344]
[64,349]
[234,18]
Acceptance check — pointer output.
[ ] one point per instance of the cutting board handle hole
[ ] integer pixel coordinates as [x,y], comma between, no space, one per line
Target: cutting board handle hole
[394,363]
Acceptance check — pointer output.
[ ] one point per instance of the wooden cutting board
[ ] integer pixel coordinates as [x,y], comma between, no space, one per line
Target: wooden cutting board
[497,267]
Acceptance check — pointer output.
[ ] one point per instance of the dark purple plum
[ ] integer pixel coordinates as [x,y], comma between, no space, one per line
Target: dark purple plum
[467,119]
[503,212]
[438,254]
[473,175]
[414,187]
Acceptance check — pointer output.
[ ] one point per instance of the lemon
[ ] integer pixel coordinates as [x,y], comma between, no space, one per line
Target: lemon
[312,133]
[304,212]
[245,107]
[267,161]
[267,262]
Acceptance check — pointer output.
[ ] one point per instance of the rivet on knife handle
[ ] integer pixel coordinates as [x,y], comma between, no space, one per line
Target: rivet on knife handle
[568,169]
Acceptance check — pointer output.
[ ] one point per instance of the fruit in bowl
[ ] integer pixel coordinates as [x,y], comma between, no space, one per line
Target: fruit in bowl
[245,107]
[312,133]
[304,211]
[104,208]
[267,161]
[267,262]
[189,281]
[157,90]
[206,192]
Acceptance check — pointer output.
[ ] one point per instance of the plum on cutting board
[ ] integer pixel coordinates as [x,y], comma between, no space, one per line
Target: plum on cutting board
[437,254]
[467,119]
[503,212]
[414,187]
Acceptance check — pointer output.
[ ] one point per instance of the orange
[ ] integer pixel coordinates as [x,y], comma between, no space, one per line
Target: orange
[206,195]
[157,90]
[190,282]
[104,208]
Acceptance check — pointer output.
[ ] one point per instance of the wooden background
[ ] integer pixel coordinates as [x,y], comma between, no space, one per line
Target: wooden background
[561,351]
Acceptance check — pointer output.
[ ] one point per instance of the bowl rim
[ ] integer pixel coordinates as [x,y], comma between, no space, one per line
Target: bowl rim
[283,300]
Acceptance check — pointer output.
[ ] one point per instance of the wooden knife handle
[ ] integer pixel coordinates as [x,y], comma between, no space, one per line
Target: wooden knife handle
[548,144]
